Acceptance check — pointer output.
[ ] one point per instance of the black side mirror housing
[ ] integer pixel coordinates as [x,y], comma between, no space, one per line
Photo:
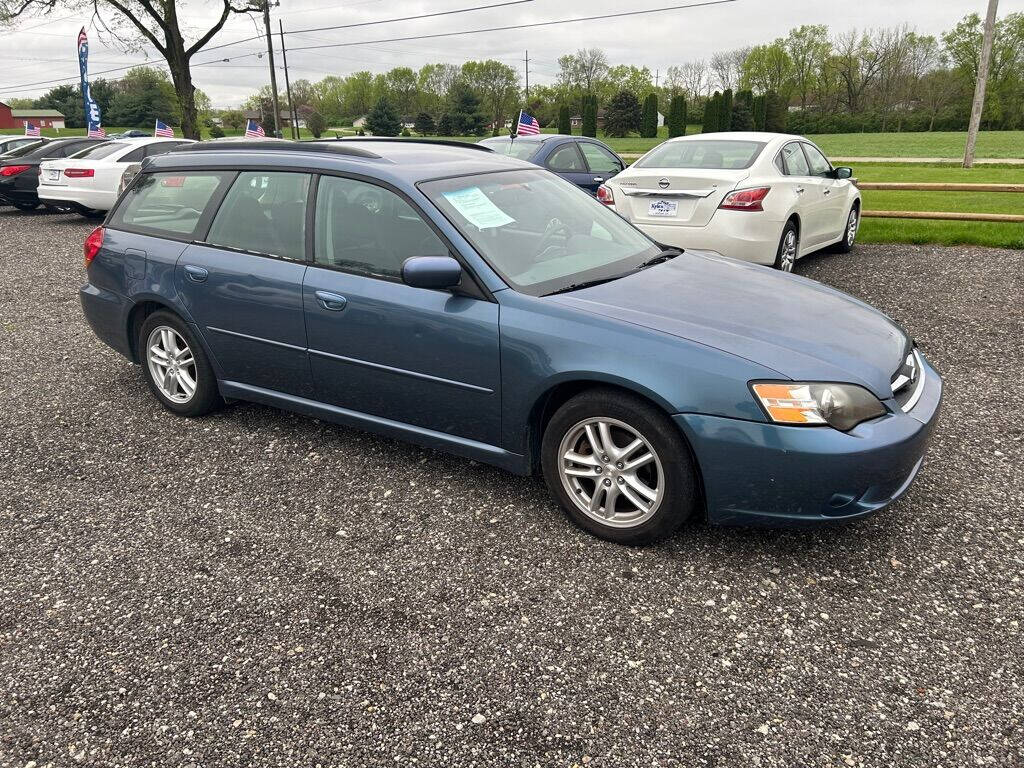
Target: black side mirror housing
[436,272]
[843,172]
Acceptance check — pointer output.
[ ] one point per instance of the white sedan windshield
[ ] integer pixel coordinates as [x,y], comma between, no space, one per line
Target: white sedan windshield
[540,233]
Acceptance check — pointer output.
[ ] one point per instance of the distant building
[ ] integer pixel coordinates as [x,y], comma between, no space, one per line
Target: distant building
[576,121]
[286,119]
[15,118]
[359,122]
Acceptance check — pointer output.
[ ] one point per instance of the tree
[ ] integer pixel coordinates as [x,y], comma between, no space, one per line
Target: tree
[625,77]
[759,111]
[464,112]
[649,118]
[383,120]
[435,83]
[233,119]
[622,114]
[728,66]
[742,120]
[444,125]
[144,95]
[711,113]
[677,116]
[424,124]
[725,111]
[359,96]
[582,72]
[401,88]
[66,99]
[133,23]
[497,85]
[768,68]
[857,62]
[564,120]
[690,78]
[216,132]
[315,122]
[776,111]
[589,127]
[808,47]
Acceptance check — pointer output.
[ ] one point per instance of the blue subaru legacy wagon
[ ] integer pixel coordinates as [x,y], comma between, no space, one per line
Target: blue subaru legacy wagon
[474,303]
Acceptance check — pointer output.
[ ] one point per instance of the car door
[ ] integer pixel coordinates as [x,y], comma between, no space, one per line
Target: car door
[427,358]
[566,160]
[601,164]
[810,200]
[242,283]
[834,192]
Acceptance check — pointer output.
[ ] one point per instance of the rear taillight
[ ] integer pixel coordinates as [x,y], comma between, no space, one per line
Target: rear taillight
[605,195]
[79,173]
[745,199]
[13,170]
[93,243]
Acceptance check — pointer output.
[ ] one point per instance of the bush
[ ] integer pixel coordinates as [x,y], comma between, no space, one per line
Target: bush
[424,124]
[444,125]
[677,116]
[564,120]
[590,116]
[316,124]
[383,120]
[649,118]
[405,132]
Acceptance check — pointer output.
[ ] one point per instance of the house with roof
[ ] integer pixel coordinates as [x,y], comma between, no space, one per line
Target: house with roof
[16,118]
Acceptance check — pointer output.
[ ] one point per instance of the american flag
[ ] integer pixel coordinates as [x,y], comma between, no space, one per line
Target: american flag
[82,37]
[97,132]
[528,126]
[254,130]
[164,130]
[31,129]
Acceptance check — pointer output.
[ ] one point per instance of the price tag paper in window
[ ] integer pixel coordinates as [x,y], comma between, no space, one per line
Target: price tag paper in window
[477,208]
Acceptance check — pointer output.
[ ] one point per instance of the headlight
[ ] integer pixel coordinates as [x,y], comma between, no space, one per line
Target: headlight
[842,406]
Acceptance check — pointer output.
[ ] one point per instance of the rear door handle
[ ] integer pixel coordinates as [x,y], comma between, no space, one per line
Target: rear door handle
[196,274]
[598,178]
[332,301]
[828,191]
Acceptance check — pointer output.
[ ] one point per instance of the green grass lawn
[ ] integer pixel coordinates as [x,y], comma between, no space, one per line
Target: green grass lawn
[945,144]
[994,234]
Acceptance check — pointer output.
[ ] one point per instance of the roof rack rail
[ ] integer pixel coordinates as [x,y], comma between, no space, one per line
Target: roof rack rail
[276,146]
[409,139]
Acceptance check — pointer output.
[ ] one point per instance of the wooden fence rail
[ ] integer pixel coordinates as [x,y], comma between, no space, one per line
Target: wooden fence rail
[942,215]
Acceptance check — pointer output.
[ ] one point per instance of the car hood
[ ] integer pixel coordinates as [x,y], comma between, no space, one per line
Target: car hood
[800,328]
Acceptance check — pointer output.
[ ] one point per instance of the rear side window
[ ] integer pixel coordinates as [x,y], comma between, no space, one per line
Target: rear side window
[600,159]
[99,151]
[264,213]
[168,203]
[796,163]
[566,158]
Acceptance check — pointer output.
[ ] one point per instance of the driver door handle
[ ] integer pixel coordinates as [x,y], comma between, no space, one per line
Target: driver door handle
[799,190]
[196,274]
[828,191]
[598,178]
[331,301]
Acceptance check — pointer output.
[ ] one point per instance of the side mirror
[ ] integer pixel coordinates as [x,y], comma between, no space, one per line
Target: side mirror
[431,272]
[843,172]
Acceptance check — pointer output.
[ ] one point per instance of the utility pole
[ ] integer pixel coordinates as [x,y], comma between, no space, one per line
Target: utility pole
[979,88]
[288,85]
[273,74]
[527,60]
[657,78]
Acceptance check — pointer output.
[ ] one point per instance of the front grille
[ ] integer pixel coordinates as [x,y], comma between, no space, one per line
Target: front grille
[908,381]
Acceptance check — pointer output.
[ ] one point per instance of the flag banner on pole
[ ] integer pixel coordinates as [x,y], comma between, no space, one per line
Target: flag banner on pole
[163,130]
[253,130]
[527,126]
[31,129]
[93,119]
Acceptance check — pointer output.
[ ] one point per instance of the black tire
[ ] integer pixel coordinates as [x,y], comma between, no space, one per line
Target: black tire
[25,206]
[91,213]
[206,396]
[675,468]
[782,260]
[849,238]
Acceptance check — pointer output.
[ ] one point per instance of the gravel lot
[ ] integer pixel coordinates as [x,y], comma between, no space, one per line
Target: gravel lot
[257,588]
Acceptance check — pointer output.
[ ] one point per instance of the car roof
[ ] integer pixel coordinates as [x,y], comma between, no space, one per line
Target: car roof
[762,136]
[400,160]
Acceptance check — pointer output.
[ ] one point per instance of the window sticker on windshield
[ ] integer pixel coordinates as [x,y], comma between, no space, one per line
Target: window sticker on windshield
[477,208]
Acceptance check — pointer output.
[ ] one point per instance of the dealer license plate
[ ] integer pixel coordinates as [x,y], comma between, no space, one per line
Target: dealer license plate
[663,208]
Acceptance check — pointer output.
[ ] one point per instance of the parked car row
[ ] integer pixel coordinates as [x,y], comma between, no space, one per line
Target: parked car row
[467,300]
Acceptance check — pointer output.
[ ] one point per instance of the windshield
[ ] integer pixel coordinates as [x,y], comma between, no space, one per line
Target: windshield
[522,149]
[539,232]
[718,154]
[99,151]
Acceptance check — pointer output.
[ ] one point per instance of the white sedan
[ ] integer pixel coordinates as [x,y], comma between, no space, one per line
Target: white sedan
[769,198]
[88,181]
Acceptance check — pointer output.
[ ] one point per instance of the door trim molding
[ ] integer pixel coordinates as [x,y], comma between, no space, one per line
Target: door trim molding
[402,371]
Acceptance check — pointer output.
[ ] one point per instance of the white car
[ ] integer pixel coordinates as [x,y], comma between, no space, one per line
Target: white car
[769,198]
[87,182]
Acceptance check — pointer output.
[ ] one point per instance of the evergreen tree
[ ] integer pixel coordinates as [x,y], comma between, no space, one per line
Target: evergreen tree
[424,124]
[316,124]
[742,120]
[444,125]
[677,116]
[760,102]
[775,113]
[383,120]
[564,122]
[649,123]
[622,114]
[725,111]
[711,113]
[589,116]
[464,111]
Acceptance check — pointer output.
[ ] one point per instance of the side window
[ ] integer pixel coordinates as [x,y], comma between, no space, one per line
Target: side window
[161,148]
[566,159]
[796,164]
[600,159]
[369,230]
[780,164]
[135,156]
[817,162]
[264,212]
[168,203]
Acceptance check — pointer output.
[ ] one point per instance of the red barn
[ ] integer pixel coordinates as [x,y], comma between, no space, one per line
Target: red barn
[15,118]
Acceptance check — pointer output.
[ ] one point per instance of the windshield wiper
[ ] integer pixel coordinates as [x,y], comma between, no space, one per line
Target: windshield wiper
[584,284]
[663,256]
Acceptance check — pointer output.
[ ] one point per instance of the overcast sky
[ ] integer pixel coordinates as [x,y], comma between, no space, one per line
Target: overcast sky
[43,49]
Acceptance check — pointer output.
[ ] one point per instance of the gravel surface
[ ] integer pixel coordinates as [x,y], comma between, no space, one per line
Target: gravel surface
[256,588]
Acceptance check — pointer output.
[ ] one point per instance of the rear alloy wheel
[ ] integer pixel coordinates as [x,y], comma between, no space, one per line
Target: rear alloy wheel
[850,234]
[789,247]
[619,468]
[175,366]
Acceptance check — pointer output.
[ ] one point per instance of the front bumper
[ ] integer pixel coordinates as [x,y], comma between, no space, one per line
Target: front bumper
[757,473]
